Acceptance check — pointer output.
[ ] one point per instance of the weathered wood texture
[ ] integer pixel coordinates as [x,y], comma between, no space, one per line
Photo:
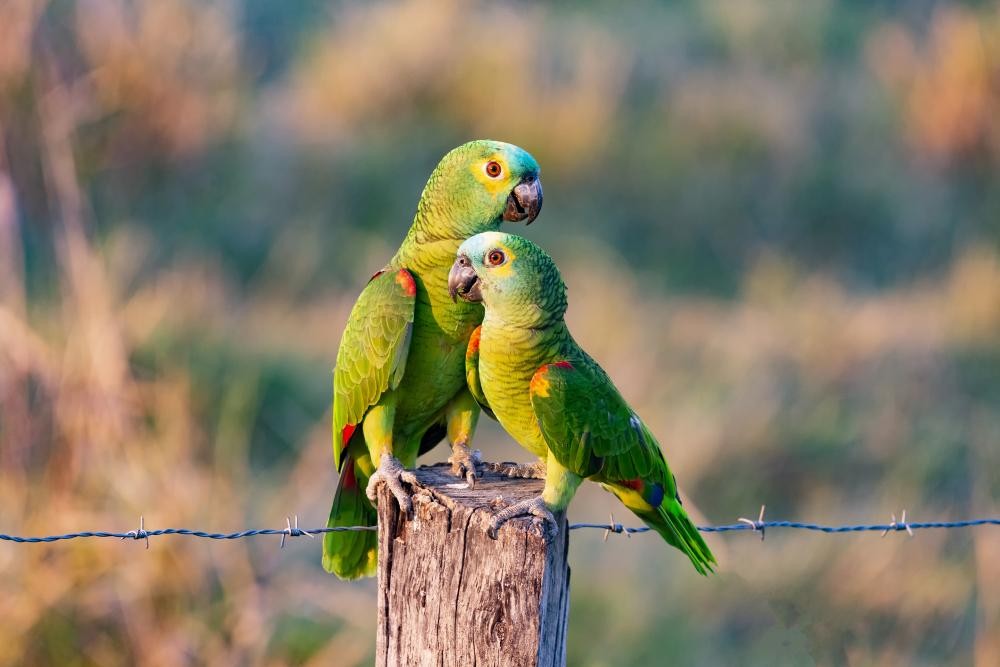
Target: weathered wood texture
[450,595]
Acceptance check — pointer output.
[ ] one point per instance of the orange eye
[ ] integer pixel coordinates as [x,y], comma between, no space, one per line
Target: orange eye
[495,258]
[493,169]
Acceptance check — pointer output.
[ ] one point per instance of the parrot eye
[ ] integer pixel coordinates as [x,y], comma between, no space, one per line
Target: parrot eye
[493,169]
[495,258]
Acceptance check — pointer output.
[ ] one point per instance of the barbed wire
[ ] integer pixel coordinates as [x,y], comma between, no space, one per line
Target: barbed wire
[292,529]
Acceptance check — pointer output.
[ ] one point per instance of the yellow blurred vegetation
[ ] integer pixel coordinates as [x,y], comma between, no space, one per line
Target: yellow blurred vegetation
[443,55]
[947,83]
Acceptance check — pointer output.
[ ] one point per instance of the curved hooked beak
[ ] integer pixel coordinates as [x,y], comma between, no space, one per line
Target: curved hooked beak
[463,281]
[524,202]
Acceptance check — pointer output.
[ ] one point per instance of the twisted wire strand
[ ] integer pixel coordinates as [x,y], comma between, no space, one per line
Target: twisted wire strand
[612,527]
[797,525]
[143,534]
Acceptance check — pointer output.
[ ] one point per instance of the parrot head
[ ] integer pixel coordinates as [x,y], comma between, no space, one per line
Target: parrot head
[483,183]
[513,278]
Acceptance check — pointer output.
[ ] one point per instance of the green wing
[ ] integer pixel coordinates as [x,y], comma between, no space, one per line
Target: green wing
[472,372]
[373,350]
[589,427]
[591,431]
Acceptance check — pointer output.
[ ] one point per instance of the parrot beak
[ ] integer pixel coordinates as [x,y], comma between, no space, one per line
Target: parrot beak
[524,202]
[463,281]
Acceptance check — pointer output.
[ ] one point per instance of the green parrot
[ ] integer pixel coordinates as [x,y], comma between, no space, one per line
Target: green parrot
[524,367]
[399,385]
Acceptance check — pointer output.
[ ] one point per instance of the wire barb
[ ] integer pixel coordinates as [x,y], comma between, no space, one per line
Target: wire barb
[615,528]
[293,531]
[900,525]
[758,525]
[140,534]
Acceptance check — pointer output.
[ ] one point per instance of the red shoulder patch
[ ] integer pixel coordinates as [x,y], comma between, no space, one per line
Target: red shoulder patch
[346,434]
[474,342]
[350,481]
[406,281]
[540,382]
[634,484]
[651,493]
[539,385]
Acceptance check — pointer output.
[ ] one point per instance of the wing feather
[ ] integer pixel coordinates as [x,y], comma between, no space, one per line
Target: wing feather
[587,425]
[472,372]
[373,350]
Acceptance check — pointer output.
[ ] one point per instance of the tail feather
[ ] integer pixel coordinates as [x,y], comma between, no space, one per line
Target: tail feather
[351,554]
[672,522]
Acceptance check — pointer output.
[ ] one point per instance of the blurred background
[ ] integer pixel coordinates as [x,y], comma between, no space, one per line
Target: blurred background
[779,224]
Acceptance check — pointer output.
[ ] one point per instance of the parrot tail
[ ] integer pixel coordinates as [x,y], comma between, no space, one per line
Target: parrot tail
[351,554]
[672,522]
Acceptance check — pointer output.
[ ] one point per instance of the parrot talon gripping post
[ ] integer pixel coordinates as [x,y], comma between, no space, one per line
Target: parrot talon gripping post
[392,473]
[544,521]
[465,463]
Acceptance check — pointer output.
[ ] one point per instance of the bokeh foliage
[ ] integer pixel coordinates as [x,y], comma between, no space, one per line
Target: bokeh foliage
[779,223]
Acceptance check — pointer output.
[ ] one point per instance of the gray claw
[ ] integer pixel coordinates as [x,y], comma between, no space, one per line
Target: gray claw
[392,473]
[544,523]
[465,463]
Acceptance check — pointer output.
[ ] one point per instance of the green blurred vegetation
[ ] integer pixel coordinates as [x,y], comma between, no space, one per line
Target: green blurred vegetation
[779,224]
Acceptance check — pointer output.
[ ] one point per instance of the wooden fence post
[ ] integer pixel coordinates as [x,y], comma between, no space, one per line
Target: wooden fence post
[450,595]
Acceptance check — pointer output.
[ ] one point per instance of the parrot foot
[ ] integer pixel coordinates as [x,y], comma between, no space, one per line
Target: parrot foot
[534,470]
[392,473]
[544,521]
[465,463]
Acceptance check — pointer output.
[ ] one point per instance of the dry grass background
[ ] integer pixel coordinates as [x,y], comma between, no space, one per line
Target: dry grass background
[156,362]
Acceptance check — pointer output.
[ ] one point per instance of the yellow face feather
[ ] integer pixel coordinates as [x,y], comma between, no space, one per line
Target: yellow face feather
[498,186]
[506,269]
